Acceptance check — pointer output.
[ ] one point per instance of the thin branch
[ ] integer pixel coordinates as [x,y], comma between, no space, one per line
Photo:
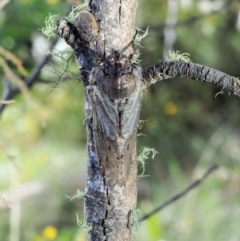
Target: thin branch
[166,70]
[9,92]
[181,194]
[15,60]
[10,75]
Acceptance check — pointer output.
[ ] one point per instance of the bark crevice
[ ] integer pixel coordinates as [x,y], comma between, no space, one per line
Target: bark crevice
[120,11]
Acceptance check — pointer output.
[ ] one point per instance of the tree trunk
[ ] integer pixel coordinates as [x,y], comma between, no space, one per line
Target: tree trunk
[111,183]
[103,46]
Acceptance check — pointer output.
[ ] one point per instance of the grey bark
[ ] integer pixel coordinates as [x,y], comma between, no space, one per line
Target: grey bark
[110,195]
[193,71]
[108,207]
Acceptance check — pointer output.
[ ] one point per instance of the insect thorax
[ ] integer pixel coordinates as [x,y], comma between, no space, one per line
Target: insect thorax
[118,77]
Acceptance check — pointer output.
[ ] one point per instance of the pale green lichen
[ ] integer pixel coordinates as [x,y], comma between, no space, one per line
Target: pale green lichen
[145,154]
[75,10]
[63,70]
[83,224]
[79,195]
[59,72]
[50,29]
[159,77]
[134,224]
[140,34]
[177,56]
[141,123]
[219,93]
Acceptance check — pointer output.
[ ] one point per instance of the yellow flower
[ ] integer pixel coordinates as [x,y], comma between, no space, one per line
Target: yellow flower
[170,108]
[49,232]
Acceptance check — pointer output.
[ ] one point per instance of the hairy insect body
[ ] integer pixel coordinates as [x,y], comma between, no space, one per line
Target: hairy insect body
[116,94]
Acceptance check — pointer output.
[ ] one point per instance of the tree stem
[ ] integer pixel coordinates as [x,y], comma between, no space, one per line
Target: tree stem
[108,203]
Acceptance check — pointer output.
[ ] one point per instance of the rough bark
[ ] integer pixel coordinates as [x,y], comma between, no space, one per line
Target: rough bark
[116,22]
[108,205]
[193,71]
[110,195]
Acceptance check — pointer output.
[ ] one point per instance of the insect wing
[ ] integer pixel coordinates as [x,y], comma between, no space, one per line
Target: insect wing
[130,115]
[107,115]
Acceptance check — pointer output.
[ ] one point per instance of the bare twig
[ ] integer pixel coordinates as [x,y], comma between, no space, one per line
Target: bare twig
[181,194]
[28,81]
[15,60]
[10,75]
[166,70]
[9,92]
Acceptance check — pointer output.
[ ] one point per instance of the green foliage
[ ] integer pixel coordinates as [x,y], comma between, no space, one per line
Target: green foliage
[208,202]
[154,227]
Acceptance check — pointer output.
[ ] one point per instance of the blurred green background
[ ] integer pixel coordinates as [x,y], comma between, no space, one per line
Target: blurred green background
[43,140]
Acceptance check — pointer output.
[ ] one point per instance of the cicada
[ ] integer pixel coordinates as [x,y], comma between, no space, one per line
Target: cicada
[116,93]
